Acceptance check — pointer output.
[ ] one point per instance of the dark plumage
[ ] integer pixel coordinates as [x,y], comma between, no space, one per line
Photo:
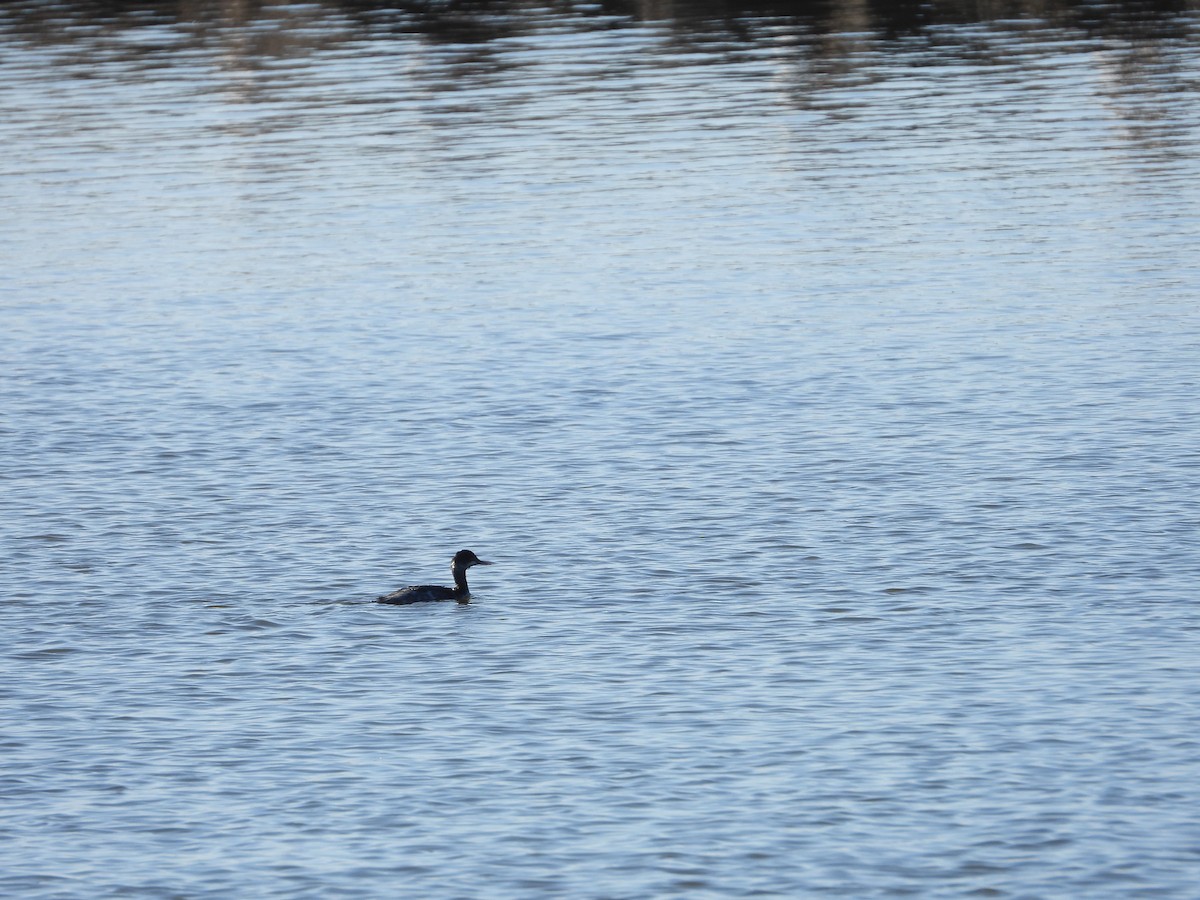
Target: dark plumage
[421,593]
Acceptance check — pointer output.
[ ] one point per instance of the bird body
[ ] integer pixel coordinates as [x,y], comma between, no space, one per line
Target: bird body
[422,593]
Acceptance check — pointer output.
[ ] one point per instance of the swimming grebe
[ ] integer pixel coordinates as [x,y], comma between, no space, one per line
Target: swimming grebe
[419,593]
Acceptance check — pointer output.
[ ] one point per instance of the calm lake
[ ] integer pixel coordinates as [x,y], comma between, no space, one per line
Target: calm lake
[821,379]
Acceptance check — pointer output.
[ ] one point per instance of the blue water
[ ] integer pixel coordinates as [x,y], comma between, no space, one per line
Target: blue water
[823,390]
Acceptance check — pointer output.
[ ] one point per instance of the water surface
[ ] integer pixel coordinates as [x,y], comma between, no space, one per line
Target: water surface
[821,380]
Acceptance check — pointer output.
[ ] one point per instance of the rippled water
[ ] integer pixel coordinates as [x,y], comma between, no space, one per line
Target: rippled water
[821,380]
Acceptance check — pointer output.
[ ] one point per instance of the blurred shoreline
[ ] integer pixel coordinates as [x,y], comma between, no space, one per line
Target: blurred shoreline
[477,21]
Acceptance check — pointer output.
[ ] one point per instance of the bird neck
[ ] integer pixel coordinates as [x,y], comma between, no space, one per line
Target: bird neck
[460,579]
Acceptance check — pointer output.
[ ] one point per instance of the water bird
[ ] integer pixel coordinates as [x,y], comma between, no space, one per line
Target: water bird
[420,593]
